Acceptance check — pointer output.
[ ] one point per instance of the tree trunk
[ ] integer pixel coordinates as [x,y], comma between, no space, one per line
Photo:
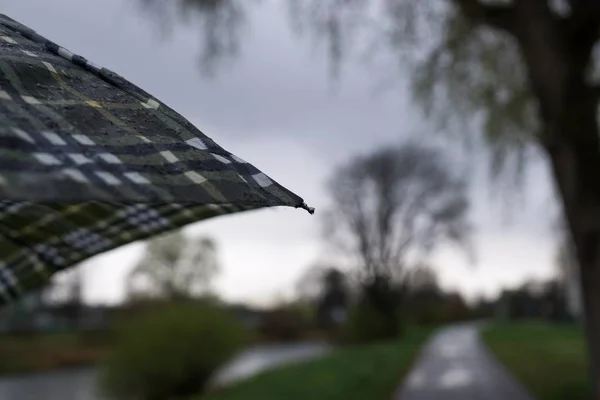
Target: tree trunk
[575,160]
[557,58]
[384,299]
[591,301]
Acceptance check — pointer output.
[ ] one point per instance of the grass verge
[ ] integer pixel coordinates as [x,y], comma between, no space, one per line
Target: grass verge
[549,360]
[368,372]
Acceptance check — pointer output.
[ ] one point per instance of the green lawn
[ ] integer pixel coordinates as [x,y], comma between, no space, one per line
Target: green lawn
[549,360]
[371,372]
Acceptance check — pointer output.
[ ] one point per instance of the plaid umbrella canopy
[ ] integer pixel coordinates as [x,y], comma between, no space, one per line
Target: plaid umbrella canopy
[89,162]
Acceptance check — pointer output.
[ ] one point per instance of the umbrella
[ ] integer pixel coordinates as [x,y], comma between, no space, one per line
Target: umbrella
[89,162]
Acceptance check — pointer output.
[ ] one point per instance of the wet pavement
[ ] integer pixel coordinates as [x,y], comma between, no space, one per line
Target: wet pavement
[77,384]
[456,365]
[264,357]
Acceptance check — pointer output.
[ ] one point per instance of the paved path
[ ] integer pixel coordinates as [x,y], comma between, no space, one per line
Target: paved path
[455,365]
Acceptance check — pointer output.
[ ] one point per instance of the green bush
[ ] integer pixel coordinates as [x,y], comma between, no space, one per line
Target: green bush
[283,324]
[376,316]
[367,324]
[172,352]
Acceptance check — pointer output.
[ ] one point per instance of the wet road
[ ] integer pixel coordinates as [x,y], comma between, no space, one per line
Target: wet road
[59,385]
[261,358]
[455,365]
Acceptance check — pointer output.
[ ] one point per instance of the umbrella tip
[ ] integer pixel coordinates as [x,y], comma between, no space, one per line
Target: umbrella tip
[311,210]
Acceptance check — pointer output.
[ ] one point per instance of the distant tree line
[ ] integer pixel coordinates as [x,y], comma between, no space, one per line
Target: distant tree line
[535,300]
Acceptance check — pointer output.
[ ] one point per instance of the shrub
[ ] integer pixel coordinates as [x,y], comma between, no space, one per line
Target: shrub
[285,324]
[376,316]
[367,324]
[171,353]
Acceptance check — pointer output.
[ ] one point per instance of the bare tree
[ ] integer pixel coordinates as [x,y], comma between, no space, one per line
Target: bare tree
[309,286]
[174,266]
[394,203]
[422,277]
[329,290]
[391,206]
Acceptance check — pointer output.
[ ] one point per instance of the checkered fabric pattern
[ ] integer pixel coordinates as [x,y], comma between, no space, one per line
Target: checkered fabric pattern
[89,162]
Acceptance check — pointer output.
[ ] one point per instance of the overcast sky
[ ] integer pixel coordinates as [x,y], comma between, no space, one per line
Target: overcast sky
[276,107]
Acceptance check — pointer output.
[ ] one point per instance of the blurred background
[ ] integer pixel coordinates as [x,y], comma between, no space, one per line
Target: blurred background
[420,221]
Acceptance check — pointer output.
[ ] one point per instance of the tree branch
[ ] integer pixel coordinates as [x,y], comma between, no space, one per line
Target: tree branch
[497,16]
